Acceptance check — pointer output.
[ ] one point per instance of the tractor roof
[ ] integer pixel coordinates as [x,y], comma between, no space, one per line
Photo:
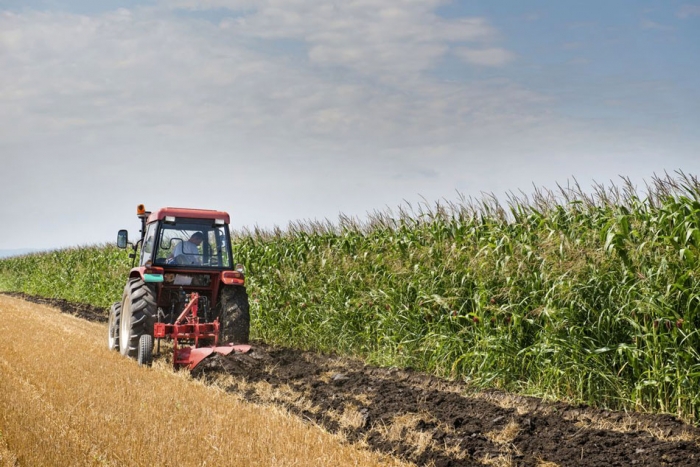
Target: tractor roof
[188,213]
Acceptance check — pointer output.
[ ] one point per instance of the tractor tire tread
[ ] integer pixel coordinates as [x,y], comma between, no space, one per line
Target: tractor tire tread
[234,315]
[141,293]
[113,326]
[145,352]
[143,310]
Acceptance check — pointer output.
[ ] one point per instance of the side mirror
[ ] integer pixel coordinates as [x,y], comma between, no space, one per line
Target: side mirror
[122,238]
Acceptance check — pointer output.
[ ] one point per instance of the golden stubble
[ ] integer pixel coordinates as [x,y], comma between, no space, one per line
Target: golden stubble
[544,463]
[506,401]
[502,460]
[404,428]
[505,435]
[67,400]
[503,438]
[7,457]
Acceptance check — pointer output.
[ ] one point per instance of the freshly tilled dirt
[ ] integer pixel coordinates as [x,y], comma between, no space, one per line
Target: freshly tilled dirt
[428,420]
[431,421]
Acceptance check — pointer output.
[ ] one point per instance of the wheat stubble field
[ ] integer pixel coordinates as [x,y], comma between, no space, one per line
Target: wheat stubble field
[66,400]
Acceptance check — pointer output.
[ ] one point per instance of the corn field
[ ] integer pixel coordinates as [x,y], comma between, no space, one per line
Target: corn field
[590,297]
[86,274]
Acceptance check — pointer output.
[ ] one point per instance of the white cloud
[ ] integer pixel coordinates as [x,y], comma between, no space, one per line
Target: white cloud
[210,4]
[371,37]
[135,69]
[492,56]
[652,25]
[91,107]
[687,11]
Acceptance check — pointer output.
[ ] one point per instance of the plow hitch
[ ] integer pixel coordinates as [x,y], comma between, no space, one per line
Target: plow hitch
[201,339]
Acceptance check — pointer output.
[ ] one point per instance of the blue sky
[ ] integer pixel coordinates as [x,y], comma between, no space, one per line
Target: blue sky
[279,110]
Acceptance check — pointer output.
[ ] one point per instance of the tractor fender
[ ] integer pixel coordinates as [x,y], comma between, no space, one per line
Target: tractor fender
[232,278]
[147,274]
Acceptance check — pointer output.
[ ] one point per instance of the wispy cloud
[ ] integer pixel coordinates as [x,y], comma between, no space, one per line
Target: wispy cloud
[687,11]
[493,56]
[150,69]
[138,83]
[371,37]
[652,25]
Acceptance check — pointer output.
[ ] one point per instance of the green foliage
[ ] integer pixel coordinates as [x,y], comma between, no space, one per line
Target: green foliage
[590,298]
[87,274]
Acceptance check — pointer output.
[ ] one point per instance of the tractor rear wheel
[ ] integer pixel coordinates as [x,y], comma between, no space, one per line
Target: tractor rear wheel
[137,316]
[113,326]
[145,354]
[234,315]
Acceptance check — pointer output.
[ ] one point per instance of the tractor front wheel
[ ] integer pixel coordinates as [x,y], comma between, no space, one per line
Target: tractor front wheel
[145,354]
[113,326]
[234,315]
[137,316]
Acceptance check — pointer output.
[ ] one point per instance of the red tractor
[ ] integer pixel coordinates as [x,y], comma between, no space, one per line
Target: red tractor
[185,289]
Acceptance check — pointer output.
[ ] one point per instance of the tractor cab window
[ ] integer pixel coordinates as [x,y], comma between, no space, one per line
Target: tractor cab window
[148,244]
[193,243]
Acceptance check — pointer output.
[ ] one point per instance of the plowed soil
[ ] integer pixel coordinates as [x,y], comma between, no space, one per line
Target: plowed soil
[431,421]
[427,420]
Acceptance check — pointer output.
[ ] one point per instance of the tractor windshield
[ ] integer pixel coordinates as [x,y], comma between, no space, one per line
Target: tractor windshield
[193,242]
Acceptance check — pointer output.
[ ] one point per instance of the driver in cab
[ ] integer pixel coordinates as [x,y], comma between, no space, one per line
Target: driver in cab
[188,252]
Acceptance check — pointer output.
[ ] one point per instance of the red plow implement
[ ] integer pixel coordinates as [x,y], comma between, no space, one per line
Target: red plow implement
[201,339]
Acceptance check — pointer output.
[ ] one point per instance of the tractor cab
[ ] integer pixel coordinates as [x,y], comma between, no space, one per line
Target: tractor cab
[173,240]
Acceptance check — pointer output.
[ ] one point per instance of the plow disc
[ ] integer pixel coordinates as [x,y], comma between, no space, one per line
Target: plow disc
[201,335]
[191,357]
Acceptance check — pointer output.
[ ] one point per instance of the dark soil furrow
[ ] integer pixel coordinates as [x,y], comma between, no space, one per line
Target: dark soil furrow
[461,429]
